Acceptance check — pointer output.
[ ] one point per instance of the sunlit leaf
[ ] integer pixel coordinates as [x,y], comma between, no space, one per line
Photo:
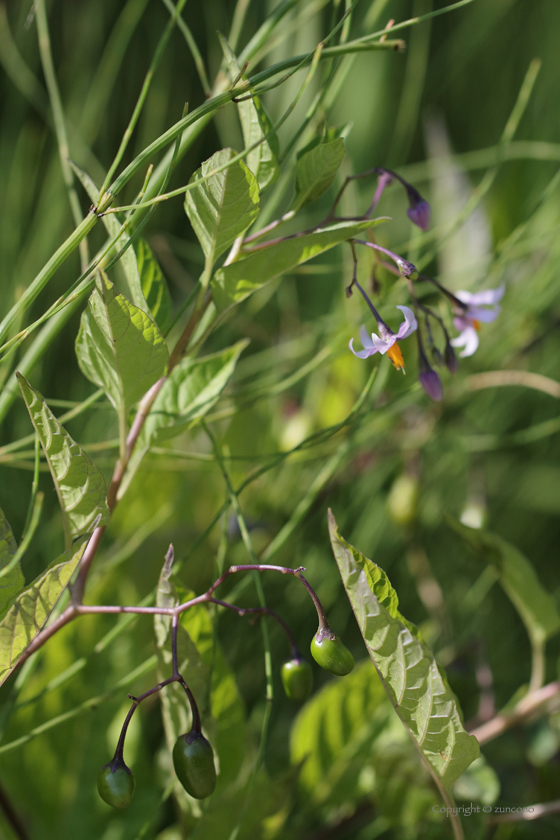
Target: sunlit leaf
[255,123]
[535,605]
[119,347]
[316,170]
[79,483]
[233,283]
[153,284]
[32,607]
[221,208]
[416,687]
[12,582]
[192,389]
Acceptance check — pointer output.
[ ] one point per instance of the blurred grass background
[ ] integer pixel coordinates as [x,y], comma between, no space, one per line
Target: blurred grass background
[436,114]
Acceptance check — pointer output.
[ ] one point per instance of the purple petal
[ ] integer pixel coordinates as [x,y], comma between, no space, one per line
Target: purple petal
[484,315]
[383,344]
[484,298]
[419,214]
[365,338]
[431,383]
[468,339]
[361,354]
[410,323]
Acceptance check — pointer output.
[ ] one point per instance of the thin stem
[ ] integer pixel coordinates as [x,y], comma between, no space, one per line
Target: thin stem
[196,724]
[174,629]
[529,705]
[119,751]
[59,121]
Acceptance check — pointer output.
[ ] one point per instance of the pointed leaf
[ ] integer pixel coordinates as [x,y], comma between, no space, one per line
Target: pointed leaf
[191,390]
[79,484]
[256,125]
[417,689]
[221,208]
[316,170]
[32,607]
[119,347]
[12,582]
[153,284]
[536,607]
[233,283]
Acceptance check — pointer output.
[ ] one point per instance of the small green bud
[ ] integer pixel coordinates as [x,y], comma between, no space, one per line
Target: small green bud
[297,678]
[193,760]
[330,653]
[116,784]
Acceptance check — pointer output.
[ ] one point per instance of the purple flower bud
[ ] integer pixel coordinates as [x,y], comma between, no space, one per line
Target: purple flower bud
[431,383]
[429,380]
[419,213]
[451,359]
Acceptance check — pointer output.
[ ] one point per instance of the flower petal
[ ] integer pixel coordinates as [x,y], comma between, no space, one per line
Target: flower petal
[486,316]
[468,339]
[381,345]
[410,323]
[485,298]
[361,354]
[365,338]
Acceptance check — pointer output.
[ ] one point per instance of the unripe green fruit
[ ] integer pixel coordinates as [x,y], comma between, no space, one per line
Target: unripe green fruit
[330,653]
[193,760]
[297,678]
[116,784]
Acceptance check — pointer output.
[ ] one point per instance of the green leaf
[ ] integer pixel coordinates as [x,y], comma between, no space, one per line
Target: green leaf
[316,170]
[119,347]
[12,582]
[191,390]
[479,782]
[153,284]
[222,208]
[536,607]
[335,732]
[32,607]
[255,124]
[418,691]
[128,261]
[233,283]
[79,484]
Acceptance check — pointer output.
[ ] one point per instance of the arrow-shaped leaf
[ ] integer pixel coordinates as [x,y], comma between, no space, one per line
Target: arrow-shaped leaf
[233,283]
[119,347]
[222,207]
[417,689]
[316,170]
[79,484]
[32,607]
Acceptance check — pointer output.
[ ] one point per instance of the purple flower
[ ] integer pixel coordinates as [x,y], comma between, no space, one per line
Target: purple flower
[478,307]
[386,341]
[429,379]
[419,212]
[431,383]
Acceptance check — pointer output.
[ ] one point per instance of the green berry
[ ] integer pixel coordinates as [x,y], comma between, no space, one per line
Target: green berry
[115,784]
[193,759]
[297,678]
[330,653]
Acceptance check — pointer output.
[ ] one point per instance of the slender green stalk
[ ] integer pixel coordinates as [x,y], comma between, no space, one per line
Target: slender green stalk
[193,47]
[59,121]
